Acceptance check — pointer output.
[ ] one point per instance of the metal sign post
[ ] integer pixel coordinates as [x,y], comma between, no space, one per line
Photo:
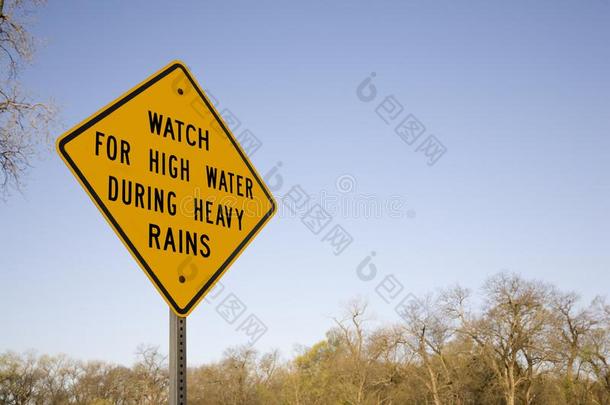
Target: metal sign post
[177,359]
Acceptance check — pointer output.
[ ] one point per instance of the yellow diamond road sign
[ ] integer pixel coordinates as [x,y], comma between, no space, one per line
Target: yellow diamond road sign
[170,178]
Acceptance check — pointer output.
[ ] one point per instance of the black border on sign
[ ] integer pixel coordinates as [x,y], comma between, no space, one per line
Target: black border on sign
[115,224]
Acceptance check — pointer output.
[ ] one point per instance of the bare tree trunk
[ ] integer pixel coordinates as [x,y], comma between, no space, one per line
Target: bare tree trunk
[360,389]
[433,382]
[433,386]
[529,398]
[510,385]
[569,387]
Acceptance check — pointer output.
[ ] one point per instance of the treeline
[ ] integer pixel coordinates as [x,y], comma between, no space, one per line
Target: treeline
[525,343]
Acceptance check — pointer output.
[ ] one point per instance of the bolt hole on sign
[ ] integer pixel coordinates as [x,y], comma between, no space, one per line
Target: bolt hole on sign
[171,180]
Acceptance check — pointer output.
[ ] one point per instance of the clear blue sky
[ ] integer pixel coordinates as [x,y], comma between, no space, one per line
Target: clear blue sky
[518,92]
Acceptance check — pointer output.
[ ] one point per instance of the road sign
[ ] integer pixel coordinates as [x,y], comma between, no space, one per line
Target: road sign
[170,178]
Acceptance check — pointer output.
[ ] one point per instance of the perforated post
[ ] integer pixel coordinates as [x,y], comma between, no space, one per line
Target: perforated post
[177,359]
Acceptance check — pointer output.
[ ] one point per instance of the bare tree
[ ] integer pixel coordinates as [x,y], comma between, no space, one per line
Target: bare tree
[19,378]
[572,326]
[597,350]
[151,375]
[353,335]
[428,330]
[24,122]
[510,332]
